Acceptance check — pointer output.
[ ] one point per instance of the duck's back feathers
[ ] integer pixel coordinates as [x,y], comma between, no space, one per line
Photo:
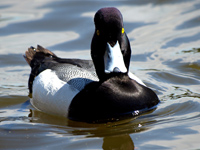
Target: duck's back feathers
[73,75]
[40,59]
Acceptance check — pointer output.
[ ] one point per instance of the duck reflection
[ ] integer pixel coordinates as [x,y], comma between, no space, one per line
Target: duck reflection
[106,131]
[119,142]
[115,135]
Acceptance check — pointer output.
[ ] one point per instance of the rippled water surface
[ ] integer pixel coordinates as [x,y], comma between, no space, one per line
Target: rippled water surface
[165,41]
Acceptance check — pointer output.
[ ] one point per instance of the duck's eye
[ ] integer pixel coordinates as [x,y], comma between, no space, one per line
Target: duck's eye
[122,30]
[98,32]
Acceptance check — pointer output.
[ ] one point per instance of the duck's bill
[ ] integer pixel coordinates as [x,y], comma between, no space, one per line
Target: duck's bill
[113,59]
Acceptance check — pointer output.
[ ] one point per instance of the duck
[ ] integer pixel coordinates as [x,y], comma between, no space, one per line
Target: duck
[90,90]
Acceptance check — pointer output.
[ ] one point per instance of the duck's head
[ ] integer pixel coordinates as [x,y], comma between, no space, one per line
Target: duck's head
[110,47]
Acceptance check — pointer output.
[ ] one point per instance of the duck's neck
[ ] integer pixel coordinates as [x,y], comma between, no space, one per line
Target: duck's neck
[113,75]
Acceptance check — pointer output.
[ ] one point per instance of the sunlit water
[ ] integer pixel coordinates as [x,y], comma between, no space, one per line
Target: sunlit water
[165,41]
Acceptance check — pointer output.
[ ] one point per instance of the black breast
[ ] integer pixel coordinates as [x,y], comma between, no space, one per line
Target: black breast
[116,97]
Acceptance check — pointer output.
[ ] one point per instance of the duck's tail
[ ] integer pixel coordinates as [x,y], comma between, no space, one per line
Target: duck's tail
[39,54]
[34,57]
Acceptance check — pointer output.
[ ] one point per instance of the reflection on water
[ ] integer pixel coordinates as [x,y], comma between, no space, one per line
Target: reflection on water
[118,142]
[165,41]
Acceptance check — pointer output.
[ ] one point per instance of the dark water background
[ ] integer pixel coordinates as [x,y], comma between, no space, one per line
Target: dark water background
[165,41]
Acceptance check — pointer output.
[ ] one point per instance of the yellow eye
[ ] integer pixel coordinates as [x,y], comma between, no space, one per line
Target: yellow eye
[122,30]
[98,32]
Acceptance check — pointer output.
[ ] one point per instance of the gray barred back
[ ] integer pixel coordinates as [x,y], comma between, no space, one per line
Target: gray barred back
[75,76]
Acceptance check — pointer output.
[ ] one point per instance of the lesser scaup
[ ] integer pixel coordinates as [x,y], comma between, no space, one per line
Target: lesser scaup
[86,90]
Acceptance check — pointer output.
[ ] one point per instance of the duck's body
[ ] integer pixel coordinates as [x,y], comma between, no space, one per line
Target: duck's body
[54,81]
[55,88]
[90,90]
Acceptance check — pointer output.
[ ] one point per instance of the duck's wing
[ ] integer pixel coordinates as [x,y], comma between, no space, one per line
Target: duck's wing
[41,59]
[40,55]
[85,64]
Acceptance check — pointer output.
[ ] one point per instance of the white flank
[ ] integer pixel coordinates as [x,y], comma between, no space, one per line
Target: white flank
[52,95]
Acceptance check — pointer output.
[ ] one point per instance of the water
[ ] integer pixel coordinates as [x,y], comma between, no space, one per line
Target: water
[165,41]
